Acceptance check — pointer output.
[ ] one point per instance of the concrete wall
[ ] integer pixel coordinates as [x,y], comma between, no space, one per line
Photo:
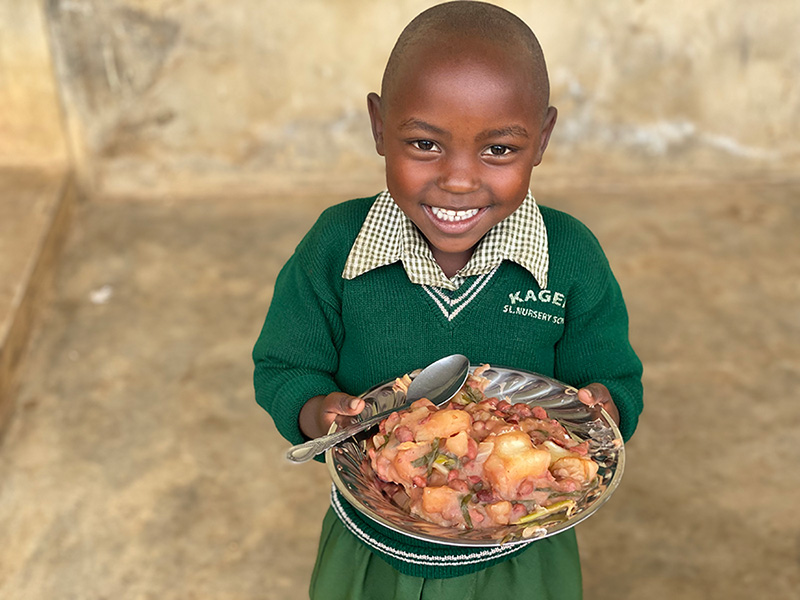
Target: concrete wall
[200,96]
[30,116]
[35,190]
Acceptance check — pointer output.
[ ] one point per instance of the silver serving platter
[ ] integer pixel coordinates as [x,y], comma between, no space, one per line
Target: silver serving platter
[354,478]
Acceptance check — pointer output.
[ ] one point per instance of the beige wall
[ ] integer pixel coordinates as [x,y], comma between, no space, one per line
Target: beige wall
[30,116]
[203,96]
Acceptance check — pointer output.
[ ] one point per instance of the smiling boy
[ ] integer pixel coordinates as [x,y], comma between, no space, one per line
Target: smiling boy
[454,257]
[462,123]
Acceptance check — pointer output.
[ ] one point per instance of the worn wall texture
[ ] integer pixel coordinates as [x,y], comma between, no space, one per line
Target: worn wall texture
[201,96]
[30,117]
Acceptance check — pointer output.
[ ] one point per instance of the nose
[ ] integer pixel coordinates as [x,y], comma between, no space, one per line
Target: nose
[458,175]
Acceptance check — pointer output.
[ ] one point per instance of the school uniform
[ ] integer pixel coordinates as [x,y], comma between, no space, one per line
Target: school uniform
[362,301]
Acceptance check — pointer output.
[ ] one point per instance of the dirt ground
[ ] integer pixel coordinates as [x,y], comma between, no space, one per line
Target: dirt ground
[138,466]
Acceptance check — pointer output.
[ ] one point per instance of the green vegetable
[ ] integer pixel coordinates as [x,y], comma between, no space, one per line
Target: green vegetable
[465,509]
[471,394]
[428,459]
[448,461]
[565,505]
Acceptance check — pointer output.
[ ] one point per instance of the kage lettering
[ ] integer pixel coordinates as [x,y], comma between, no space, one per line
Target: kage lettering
[546,296]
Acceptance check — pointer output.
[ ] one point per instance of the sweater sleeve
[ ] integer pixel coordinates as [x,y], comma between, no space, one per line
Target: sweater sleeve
[595,347]
[296,354]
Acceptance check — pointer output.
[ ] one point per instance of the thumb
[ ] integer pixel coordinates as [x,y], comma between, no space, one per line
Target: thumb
[586,396]
[350,405]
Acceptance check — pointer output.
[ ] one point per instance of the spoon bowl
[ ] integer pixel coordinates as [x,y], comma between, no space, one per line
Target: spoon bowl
[438,382]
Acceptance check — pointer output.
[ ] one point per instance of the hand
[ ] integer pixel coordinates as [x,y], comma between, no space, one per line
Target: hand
[596,393]
[319,413]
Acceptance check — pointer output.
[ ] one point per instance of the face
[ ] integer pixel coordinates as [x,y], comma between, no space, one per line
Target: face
[461,133]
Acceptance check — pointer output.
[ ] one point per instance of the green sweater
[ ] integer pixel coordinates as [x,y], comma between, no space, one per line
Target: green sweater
[324,333]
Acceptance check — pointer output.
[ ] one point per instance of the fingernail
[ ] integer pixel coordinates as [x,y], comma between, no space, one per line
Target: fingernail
[354,403]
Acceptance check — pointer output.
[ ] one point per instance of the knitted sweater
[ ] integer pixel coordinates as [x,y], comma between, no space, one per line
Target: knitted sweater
[324,333]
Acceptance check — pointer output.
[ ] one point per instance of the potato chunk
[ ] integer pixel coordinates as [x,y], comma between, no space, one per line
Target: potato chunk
[581,470]
[512,460]
[458,444]
[499,512]
[443,504]
[396,463]
[443,424]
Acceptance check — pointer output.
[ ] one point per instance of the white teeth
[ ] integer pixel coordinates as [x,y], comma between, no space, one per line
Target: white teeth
[453,215]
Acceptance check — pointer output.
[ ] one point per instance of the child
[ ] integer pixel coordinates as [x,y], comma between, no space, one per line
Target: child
[455,257]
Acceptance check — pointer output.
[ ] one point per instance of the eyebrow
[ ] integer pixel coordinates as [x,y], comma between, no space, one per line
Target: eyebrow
[508,131]
[413,123]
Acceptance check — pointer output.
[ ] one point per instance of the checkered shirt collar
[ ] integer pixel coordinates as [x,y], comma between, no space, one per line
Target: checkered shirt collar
[388,236]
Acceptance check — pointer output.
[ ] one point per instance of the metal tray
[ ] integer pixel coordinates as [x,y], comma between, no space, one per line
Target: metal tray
[354,478]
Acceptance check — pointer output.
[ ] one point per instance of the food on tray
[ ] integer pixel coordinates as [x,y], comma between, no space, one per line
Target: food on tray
[480,462]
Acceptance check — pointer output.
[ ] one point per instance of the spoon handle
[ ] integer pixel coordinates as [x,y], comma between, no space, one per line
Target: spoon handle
[305,452]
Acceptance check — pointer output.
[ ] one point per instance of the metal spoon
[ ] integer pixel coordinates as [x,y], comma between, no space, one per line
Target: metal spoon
[438,382]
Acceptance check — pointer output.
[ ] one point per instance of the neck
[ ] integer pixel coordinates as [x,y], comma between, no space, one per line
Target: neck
[451,262]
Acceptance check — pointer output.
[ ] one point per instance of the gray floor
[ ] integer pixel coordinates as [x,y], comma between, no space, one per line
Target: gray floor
[138,466]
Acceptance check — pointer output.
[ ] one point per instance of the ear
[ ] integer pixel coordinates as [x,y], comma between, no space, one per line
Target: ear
[544,136]
[376,119]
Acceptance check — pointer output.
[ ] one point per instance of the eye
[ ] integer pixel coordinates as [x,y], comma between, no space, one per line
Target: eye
[424,145]
[498,150]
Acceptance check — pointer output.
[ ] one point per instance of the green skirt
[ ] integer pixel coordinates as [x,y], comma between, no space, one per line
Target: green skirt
[347,570]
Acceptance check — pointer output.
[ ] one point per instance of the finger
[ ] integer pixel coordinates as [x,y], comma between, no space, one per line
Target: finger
[346,408]
[339,403]
[596,394]
[586,396]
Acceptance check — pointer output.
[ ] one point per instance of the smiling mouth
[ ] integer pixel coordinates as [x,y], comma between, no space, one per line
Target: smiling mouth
[453,216]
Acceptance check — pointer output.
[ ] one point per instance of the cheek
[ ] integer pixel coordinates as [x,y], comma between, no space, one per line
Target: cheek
[405,174]
[510,182]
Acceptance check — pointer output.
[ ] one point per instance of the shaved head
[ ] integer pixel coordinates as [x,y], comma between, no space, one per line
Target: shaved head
[463,119]
[445,24]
